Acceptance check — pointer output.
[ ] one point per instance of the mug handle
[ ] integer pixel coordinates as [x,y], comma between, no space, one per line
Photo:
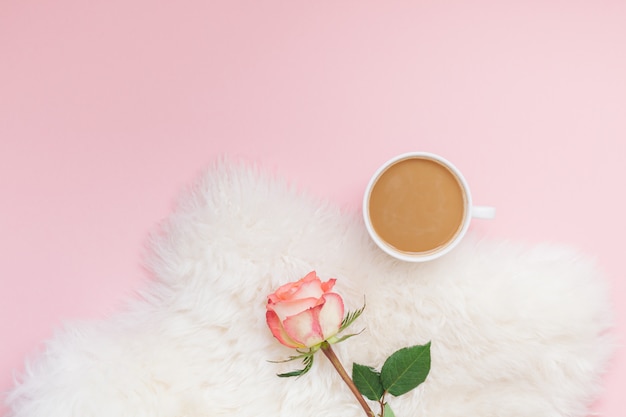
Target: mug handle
[483,212]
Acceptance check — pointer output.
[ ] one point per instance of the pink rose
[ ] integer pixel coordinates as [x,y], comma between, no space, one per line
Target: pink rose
[304,313]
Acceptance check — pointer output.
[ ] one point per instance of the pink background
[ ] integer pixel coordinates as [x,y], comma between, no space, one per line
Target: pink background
[108,109]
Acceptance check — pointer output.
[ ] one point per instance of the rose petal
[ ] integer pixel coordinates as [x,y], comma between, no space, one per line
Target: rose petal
[311,276]
[304,328]
[309,289]
[283,292]
[328,285]
[273,322]
[331,314]
[289,291]
[285,309]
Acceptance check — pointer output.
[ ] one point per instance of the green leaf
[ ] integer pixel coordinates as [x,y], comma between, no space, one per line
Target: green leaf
[405,369]
[387,412]
[367,380]
[308,363]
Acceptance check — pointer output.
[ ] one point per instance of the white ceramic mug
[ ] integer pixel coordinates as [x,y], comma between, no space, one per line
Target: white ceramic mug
[418,207]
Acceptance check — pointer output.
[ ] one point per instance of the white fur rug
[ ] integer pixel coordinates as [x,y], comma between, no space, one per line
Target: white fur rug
[515,331]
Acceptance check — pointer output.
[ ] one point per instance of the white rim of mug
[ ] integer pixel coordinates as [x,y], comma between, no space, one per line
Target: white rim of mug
[434,253]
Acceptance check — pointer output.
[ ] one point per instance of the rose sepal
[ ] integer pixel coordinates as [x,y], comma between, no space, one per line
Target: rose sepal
[335,339]
[307,362]
[350,317]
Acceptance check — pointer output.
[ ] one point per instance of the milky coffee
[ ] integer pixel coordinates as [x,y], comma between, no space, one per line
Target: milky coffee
[417,205]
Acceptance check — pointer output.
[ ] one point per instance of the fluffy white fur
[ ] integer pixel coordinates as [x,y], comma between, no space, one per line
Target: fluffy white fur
[515,331]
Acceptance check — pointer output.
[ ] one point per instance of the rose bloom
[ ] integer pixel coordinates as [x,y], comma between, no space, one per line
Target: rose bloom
[304,313]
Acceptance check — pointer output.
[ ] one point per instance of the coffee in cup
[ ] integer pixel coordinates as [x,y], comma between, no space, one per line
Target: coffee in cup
[417,207]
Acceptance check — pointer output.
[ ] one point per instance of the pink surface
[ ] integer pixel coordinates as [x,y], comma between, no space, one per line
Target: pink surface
[109,109]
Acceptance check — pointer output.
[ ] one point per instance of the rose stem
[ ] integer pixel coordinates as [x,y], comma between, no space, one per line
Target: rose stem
[330,354]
